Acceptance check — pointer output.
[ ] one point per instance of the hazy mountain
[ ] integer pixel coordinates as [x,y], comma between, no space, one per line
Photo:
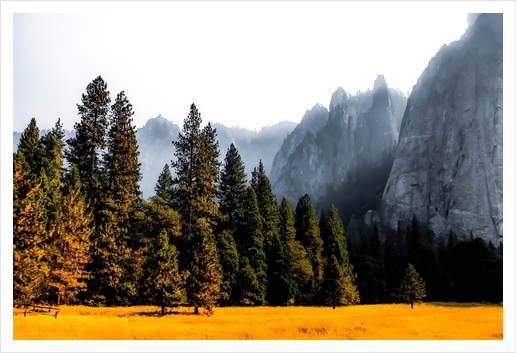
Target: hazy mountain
[448,164]
[348,147]
[156,148]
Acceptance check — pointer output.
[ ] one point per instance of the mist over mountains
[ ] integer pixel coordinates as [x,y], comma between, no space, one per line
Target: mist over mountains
[436,155]
[156,148]
[343,155]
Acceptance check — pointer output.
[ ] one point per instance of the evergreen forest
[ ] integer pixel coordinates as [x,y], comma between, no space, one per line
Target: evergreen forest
[211,236]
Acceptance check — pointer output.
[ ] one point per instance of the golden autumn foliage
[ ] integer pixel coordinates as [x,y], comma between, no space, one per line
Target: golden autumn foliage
[29,235]
[363,322]
[70,248]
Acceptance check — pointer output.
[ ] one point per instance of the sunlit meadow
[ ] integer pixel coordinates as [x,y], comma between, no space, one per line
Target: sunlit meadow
[363,322]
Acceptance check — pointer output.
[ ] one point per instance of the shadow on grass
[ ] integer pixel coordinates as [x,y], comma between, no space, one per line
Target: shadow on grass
[168,311]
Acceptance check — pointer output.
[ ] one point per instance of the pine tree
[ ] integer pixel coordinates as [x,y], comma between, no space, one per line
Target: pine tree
[197,170]
[51,148]
[146,221]
[31,149]
[186,153]
[120,162]
[163,280]
[338,284]
[122,173]
[300,265]
[202,285]
[69,250]
[308,234]
[228,258]
[281,287]
[250,245]
[333,287]
[232,188]
[85,148]
[164,186]
[249,288]
[267,203]
[412,287]
[29,234]
[280,284]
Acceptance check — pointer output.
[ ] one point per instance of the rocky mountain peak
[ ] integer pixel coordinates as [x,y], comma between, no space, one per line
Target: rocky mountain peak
[339,97]
[380,83]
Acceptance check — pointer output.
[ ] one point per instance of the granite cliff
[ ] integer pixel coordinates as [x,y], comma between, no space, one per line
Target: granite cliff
[448,166]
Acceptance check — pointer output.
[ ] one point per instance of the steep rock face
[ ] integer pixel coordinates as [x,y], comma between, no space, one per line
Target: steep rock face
[378,130]
[312,122]
[324,151]
[448,167]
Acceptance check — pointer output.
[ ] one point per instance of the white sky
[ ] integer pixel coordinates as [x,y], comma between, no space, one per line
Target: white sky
[247,64]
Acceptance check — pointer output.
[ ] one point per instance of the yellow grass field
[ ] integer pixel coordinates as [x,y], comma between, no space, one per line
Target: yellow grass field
[363,322]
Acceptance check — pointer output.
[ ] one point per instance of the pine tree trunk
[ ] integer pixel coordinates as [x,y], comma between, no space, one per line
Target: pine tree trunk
[196,310]
[163,310]
[412,305]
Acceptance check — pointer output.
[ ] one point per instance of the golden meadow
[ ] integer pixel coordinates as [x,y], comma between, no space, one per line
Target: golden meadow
[362,322]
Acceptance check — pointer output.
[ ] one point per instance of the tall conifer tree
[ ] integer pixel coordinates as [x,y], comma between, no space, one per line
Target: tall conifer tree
[30,269]
[164,186]
[163,281]
[69,250]
[197,170]
[84,150]
[250,241]
[232,188]
[279,274]
[308,234]
[30,147]
[338,285]
[300,265]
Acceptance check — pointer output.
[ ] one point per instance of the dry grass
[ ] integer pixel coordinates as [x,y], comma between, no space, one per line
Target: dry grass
[364,322]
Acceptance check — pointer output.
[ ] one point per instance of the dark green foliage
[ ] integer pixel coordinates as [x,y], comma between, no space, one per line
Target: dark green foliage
[31,149]
[333,287]
[476,272]
[163,282]
[249,289]
[84,150]
[280,284]
[250,244]
[187,156]
[146,221]
[232,188]
[120,161]
[164,186]
[197,170]
[308,234]
[202,284]
[300,265]
[228,258]
[267,203]
[338,285]
[412,287]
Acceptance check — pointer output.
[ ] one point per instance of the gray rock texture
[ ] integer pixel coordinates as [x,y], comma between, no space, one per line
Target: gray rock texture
[448,164]
[325,149]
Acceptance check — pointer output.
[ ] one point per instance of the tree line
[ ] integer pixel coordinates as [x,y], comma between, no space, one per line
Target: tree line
[83,234]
